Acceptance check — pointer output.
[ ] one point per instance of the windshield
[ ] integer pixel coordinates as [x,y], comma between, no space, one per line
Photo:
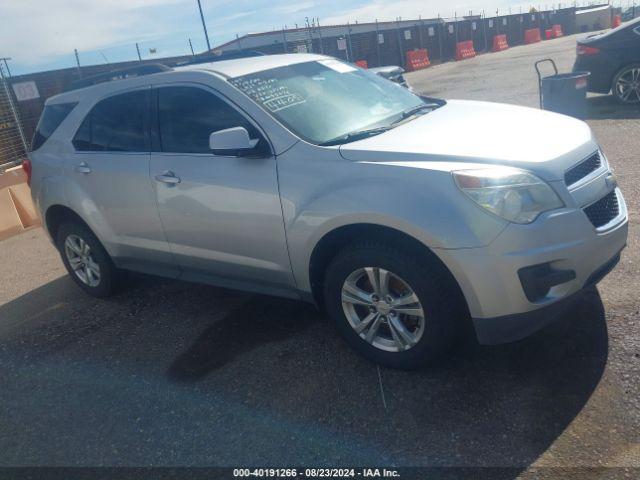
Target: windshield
[327,101]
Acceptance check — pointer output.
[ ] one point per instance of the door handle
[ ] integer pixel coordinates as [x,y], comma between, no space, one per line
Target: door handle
[83,168]
[168,178]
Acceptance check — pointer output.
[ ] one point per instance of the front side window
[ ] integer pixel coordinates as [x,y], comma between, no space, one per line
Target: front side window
[116,124]
[325,101]
[187,116]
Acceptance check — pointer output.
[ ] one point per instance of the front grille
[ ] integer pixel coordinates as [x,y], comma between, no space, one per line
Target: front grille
[604,210]
[583,169]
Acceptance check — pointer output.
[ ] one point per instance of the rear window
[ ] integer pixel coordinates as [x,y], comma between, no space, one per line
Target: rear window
[52,117]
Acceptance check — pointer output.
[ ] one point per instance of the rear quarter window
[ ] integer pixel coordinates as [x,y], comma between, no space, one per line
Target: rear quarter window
[52,117]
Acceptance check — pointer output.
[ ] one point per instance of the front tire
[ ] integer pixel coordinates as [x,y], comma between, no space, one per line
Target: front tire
[626,85]
[395,308]
[86,260]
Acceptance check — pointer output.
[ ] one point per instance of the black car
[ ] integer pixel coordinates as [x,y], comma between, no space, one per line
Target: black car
[613,58]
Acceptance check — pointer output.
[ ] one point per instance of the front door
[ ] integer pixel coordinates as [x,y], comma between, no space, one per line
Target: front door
[221,214]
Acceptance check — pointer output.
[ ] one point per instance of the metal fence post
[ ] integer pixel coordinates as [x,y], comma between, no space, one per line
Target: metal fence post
[455,18]
[75,50]
[378,43]
[440,38]
[484,29]
[400,43]
[320,36]
[310,34]
[349,46]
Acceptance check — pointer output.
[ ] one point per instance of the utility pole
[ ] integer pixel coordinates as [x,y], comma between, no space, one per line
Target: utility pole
[4,59]
[204,26]
[191,47]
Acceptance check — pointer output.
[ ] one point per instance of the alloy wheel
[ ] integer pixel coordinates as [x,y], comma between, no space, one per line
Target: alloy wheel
[383,309]
[78,253]
[627,87]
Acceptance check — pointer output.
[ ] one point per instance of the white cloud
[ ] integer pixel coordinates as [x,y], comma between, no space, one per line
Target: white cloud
[292,8]
[384,10]
[39,30]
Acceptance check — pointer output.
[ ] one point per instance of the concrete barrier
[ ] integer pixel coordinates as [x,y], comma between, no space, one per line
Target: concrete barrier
[557,31]
[532,36]
[417,60]
[465,50]
[500,43]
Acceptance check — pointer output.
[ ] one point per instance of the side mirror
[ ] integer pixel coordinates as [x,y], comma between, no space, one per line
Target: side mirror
[231,140]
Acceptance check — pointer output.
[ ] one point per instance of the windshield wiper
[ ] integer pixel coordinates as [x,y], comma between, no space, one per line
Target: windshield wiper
[370,132]
[357,135]
[414,111]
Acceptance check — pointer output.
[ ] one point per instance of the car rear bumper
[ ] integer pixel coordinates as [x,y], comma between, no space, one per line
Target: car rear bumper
[602,73]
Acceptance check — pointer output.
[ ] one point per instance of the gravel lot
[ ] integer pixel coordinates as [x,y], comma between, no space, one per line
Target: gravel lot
[172,373]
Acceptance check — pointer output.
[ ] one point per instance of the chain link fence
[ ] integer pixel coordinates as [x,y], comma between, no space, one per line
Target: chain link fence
[387,43]
[13,144]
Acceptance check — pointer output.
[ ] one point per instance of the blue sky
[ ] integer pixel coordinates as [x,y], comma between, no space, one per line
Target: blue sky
[42,34]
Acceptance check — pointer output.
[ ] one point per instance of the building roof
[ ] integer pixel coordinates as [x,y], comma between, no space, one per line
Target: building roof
[253,40]
[594,9]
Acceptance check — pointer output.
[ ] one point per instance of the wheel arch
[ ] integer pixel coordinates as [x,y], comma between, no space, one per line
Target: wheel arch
[58,214]
[335,240]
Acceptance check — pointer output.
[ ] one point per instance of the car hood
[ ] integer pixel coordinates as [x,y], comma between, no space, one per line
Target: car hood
[472,132]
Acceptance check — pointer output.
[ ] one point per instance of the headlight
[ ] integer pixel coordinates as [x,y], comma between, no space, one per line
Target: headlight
[515,195]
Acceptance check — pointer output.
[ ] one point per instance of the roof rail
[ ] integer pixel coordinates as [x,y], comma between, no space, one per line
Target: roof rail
[120,74]
[212,57]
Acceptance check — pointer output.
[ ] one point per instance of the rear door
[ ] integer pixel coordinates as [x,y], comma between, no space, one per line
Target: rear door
[221,214]
[110,172]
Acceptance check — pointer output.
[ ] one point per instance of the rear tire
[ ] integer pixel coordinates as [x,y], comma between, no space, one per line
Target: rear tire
[626,85]
[403,340]
[86,260]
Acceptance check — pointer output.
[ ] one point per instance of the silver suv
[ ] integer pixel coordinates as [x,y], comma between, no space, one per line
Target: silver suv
[305,177]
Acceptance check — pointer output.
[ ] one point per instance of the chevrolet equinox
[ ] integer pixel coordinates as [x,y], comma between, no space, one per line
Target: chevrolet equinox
[306,177]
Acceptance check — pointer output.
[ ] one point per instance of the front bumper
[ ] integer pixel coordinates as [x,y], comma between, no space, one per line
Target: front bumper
[575,255]
[509,328]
